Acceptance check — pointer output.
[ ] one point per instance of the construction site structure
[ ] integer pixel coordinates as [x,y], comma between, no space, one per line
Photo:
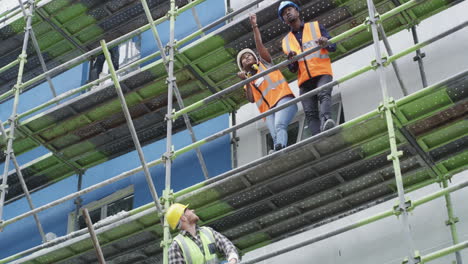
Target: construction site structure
[85,138]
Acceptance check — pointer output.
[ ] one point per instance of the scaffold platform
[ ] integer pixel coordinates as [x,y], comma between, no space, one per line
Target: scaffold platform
[91,129]
[336,173]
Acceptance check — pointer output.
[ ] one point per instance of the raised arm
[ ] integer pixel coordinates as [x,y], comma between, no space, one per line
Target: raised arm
[262,50]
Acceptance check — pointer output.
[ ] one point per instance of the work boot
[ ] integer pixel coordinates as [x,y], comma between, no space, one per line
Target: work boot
[328,124]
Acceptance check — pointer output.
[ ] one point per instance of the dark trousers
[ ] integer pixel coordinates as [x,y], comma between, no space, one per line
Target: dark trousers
[98,64]
[315,117]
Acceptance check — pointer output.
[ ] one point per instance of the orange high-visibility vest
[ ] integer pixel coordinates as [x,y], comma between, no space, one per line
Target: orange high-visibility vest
[315,64]
[269,89]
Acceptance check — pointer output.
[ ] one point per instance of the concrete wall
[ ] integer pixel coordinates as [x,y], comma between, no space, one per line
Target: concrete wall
[380,242]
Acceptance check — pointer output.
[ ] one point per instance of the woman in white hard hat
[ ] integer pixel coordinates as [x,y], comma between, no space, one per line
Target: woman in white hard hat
[268,91]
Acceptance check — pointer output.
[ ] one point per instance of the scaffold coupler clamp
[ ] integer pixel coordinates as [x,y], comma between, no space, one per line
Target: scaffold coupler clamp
[168,155]
[167,196]
[395,156]
[416,259]
[452,221]
[170,116]
[419,56]
[387,105]
[407,207]
[384,62]
[369,21]
[4,188]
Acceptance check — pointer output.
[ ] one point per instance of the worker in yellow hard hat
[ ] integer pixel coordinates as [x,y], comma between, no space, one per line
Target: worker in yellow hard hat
[195,244]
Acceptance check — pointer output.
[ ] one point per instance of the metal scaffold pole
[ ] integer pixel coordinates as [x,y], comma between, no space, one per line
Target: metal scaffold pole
[419,57]
[24,187]
[13,118]
[131,127]
[92,233]
[38,51]
[396,69]
[168,156]
[386,108]
[176,89]
[452,220]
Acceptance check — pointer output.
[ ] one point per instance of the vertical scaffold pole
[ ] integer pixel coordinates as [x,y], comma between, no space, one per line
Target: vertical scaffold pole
[131,127]
[388,106]
[176,89]
[419,57]
[38,51]
[78,202]
[16,89]
[452,220]
[168,155]
[24,186]
[394,63]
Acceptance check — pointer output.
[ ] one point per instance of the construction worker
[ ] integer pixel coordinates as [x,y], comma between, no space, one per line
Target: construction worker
[313,70]
[194,244]
[98,64]
[268,91]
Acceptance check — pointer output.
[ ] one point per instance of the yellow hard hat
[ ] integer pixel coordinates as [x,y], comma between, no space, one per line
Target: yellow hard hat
[174,213]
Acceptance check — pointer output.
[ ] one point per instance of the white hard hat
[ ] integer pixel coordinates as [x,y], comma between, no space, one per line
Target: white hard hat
[239,56]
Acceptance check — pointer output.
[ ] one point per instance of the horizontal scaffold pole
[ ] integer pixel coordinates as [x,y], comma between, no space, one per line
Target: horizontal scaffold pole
[444,252]
[10,65]
[333,40]
[202,142]
[360,223]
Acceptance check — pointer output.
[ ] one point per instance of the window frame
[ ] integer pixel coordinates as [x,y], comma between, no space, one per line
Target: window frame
[102,203]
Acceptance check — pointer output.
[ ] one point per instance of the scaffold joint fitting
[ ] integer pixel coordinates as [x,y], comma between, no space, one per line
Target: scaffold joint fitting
[387,105]
[369,21]
[419,56]
[170,80]
[395,156]
[452,221]
[172,12]
[168,156]
[375,64]
[166,243]
[167,196]
[170,116]
[407,207]
[4,188]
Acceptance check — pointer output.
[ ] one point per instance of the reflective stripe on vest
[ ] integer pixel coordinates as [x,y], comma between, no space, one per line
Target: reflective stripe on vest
[192,253]
[271,85]
[315,64]
[308,45]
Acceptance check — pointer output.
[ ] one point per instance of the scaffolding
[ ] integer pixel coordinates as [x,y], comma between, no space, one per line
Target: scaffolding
[399,128]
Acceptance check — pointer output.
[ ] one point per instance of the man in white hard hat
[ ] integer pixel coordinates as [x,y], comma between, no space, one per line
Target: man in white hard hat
[195,244]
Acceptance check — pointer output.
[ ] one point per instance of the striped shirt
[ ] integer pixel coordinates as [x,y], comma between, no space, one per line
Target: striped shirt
[223,245]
